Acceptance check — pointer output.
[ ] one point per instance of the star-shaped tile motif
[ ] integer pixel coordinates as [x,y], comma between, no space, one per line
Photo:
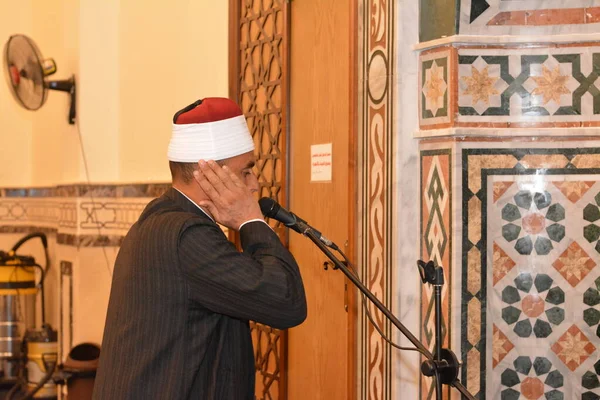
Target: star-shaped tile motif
[480,85]
[574,264]
[434,88]
[551,85]
[573,348]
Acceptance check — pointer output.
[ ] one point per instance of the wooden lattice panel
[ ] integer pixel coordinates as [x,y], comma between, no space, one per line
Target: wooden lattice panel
[260,86]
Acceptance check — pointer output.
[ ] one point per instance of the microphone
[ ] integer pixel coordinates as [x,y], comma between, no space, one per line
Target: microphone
[271,209]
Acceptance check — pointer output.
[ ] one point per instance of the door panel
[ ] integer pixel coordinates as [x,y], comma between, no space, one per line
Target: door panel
[319,353]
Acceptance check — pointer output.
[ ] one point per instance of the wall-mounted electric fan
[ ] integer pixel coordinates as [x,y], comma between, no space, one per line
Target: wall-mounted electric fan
[27,71]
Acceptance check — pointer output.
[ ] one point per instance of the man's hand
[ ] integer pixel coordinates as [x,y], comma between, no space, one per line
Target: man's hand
[229,201]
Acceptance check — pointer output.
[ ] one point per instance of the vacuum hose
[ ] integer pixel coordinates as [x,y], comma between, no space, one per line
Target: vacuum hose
[29,395]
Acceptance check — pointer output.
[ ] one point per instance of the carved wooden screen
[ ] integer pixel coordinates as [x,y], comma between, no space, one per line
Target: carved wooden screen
[259,38]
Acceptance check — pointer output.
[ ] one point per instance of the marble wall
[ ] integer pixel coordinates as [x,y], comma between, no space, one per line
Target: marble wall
[509,147]
[491,18]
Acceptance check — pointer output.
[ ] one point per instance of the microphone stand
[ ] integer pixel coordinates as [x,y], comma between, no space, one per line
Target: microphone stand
[444,364]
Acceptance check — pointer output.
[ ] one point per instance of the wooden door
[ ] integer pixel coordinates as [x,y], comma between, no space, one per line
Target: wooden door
[320,354]
[307,47]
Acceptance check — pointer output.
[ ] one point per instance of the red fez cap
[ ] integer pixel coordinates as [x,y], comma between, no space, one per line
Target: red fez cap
[210,109]
[211,129]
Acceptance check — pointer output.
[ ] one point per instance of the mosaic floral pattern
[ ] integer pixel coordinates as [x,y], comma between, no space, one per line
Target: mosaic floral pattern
[480,85]
[533,305]
[497,293]
[545,86]
[533,221]
[573,348]
[574,264]
[532,379]
[510,88]
[435,88]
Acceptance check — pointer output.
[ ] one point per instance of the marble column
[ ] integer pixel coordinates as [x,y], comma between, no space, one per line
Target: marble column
[509,138]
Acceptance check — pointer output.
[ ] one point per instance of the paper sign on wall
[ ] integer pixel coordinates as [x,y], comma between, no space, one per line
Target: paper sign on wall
[320,162]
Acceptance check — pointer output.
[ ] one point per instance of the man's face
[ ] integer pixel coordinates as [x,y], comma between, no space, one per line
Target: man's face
[242,166]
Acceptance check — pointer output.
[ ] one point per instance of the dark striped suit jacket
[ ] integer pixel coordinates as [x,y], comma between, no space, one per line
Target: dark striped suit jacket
[180,301]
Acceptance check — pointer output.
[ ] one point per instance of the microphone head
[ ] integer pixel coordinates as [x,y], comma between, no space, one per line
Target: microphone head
[268,207]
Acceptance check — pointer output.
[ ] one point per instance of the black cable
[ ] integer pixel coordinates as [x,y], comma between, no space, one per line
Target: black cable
[44,240]
[41,286]
[20,382]
[29,395]
[24,239]
[366,307]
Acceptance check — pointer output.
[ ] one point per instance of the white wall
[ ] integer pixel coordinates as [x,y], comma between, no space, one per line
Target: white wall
[177,56]
[136,64]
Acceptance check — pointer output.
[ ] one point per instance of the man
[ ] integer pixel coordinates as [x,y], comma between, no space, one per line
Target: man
[182,295]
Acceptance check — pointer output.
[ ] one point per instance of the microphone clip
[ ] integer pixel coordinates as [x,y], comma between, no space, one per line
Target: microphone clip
[327,264]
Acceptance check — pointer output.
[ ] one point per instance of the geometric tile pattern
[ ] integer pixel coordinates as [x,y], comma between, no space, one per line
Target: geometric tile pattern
[434,96]
[531,314]
[436,86]
[502,17]
[573,190]
[517,85]
[532,307]
[573,348]
[533,222]
[591,303]
[542,87]
[501,346]
[532,378]
[574,264]
[436,228]
[591,214]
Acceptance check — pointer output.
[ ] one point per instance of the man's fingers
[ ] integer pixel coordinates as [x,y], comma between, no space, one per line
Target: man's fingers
[207,169]
[205,185]
[224,174]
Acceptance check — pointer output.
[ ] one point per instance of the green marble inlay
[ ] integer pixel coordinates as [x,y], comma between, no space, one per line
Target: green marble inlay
[437,19]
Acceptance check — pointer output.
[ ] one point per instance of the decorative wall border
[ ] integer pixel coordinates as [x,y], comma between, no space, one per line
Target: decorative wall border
[79,215]
[91,190]
[436,245]
[503,87]
[477,165]
[376,163]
